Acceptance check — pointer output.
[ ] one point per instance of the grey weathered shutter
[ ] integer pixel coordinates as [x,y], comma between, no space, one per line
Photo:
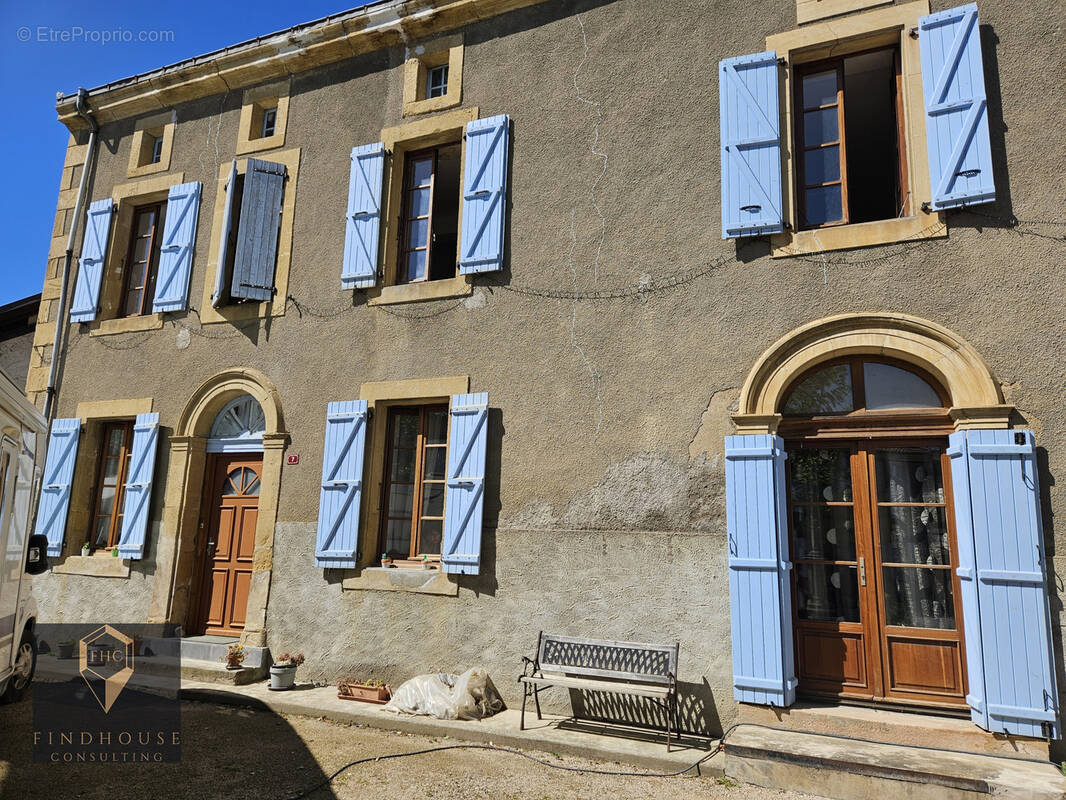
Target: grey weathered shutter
[220,295]
[257,233]
[91,268]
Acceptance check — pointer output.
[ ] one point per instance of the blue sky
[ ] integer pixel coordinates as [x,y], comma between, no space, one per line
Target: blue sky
[35,64]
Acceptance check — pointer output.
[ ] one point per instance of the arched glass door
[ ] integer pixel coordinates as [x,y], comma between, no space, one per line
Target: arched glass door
[875,594]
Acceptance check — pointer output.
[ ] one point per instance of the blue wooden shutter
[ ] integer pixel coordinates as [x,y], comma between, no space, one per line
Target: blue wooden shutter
[139,486]
[55,484]
[464,498]
[337,541]
[956,113]
[175,253]
[257,232]
[363,220]
[91,267]
[750,122]
[222,272]
[1006,614]
[484,194]
[760,598]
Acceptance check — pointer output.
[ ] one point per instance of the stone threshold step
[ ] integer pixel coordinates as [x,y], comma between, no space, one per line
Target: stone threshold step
[215,672]
[849,769]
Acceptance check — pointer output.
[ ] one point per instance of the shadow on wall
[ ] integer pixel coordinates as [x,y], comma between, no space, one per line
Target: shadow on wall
[697,713]
[216,760]
[1001,213]
[1055,588]
[485,581]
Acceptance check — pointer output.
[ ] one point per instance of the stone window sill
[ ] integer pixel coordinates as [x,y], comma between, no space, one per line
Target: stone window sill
[100,566]
[862,234]
[110,327]
[416,581]
[459,286]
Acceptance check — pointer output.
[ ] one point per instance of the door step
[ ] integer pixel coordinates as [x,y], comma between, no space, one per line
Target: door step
[848,769]
[203,658]
[193,669]
[891,726]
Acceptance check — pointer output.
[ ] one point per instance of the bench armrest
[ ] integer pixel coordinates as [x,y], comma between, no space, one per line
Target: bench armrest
[530,667]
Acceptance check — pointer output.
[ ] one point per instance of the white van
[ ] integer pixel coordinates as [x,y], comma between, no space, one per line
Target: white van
[22,451]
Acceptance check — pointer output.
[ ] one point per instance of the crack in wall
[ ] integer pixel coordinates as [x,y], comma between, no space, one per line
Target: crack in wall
[204,176]
[594,374]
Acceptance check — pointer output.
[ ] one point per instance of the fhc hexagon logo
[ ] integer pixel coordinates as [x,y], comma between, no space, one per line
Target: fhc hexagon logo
[106,663]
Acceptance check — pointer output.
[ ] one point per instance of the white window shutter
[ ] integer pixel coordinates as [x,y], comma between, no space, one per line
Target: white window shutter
[56,481]
[337,539]
[956,109]
[86,301]
[138,497]
[750,121]
[484,209]
[464,498]
[176,250]
[363,219]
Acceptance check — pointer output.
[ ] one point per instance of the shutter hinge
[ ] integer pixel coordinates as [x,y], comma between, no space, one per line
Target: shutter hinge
[913,33]
[782,61]
[927,207]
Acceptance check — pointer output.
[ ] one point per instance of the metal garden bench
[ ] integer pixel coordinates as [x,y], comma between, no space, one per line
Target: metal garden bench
[600,665]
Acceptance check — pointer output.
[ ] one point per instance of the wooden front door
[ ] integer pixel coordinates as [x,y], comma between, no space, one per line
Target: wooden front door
[231,510]
[875,593]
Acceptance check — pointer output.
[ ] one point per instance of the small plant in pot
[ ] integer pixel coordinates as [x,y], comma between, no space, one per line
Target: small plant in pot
[114,552]
[283,671]
[371,691]
[85,550]
[235,656]
[386,560]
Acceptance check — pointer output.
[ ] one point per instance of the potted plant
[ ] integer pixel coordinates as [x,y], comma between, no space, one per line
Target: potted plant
[371,691]
[386,560]
[235,656]
[283,671]
[85,549]
[426,563]
[114,552]
[65,649]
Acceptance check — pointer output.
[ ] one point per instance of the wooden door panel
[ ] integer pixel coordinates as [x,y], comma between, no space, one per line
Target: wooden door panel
[833,657]
[224,534]
[246,533]
[217,605]
[924,665]
[238,600]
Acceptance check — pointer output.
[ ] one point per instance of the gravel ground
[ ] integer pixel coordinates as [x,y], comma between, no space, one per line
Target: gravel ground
[241,753]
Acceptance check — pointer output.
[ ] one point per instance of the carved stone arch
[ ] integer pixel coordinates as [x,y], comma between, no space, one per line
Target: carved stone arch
[975,397]
[180,541]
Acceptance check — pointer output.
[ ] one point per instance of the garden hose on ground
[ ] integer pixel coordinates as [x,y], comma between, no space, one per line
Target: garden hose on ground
[515,751]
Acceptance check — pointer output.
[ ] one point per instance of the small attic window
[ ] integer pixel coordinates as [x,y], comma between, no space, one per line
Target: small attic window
[437,81]
[157,150]
[270,119]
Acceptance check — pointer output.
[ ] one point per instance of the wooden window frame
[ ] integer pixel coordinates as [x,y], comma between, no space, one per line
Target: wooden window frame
[893,422]
[798,110]
[440,88]
[117,509]
[414,553]
[151,266]
[406,219]
[270,120]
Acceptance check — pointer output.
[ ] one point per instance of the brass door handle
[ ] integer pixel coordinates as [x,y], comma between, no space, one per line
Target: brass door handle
[862,571]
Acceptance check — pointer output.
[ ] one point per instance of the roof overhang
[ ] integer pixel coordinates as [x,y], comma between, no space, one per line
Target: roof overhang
[387,23]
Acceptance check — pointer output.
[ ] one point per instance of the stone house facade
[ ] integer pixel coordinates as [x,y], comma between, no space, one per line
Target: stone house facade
[589,323]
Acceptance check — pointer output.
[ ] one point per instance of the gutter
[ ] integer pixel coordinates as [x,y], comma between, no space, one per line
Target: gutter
[64,287]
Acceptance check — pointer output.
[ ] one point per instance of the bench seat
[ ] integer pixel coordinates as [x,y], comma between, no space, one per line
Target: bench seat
[619,687]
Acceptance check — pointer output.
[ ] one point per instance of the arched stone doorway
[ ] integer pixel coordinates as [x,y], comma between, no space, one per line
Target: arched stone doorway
[864,405]
[205,426]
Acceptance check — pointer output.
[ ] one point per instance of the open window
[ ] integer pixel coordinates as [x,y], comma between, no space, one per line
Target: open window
[849,134]
[429,231]
[141,266]
[251,223]
[109,492]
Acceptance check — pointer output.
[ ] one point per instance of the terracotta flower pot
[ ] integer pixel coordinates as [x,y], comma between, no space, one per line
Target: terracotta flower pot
[348,690]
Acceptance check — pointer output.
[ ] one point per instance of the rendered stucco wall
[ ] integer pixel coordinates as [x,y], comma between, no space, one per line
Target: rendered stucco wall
[604,505]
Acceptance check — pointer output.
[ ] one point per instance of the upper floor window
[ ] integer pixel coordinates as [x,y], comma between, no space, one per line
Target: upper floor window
[142,260]
[270,119]
[857,384]
[849,132]
[429,229]
[437,81]
[157,149]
